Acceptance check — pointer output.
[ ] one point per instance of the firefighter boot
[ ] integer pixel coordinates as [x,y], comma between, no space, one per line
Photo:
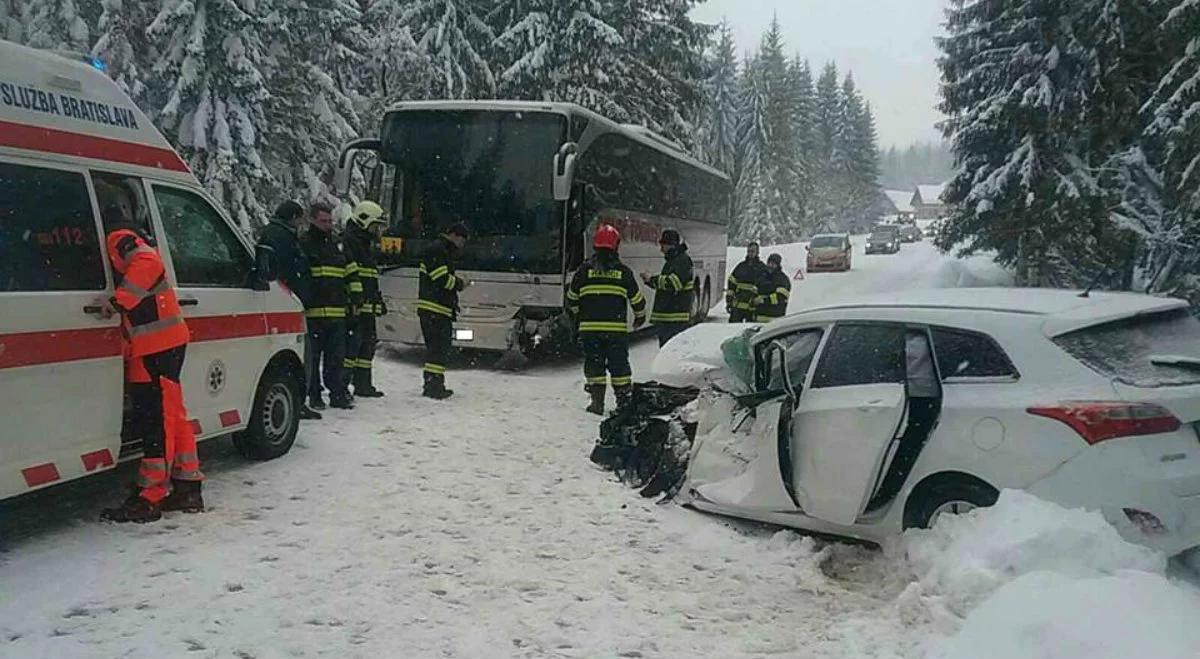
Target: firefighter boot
[135,509]
[341,401]
[597,406]
[362,384]
[184,497]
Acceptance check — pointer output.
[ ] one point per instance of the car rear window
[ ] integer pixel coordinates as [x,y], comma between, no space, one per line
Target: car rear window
[1123,349]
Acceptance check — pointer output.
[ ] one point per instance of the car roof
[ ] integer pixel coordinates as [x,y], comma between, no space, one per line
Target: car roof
[1060,311]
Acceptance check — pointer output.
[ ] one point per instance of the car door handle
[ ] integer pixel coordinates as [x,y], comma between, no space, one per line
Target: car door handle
[93,309]
[188,302]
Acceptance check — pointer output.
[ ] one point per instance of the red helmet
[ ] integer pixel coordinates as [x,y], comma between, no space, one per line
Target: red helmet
[607,237]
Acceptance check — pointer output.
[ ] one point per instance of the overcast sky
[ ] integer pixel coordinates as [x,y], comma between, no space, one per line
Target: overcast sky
[888,44]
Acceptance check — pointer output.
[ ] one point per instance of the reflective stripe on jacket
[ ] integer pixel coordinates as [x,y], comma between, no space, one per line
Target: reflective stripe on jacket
[673,289]
[742,286]
[333,281]
[438,286]
[600,295]
[773,295]
[150,315]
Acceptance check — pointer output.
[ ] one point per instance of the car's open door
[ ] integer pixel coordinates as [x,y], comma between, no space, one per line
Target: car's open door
[845,422]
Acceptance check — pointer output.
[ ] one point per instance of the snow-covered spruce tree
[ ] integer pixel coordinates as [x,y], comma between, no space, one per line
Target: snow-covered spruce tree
[1017,81]
[318,47]
[12,28]
[397,69]
[801,100]
[826,201]
[753,140]
[56,25]
[858,159]
[719,120]
[1160,175]
[212,56]
[124,47]
[454,38]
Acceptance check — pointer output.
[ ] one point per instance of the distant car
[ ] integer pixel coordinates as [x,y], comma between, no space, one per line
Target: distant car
[883,240]
[931,231]
[909,233]
[866,417]
[829,252]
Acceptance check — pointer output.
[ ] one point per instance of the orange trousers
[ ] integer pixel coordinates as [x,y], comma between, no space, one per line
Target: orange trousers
[160,419]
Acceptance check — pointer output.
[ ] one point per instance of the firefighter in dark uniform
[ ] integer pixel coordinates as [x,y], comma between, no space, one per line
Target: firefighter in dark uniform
[437,306]
[289,264]
[599,297]
[334,288]
[674,289]
[743,286]
[773,292]
[363,230]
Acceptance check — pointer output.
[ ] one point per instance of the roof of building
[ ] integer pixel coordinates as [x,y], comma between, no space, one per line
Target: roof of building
[929,194]
[901,200]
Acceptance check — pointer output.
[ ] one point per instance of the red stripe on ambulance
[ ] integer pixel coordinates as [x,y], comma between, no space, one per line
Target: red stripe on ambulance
[40,474]
[67,143]
[96,459]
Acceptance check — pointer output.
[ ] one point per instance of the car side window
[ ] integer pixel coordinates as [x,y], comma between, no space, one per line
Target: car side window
[859,354]
[801,348]
[49,240]
[204,248]
[965,354]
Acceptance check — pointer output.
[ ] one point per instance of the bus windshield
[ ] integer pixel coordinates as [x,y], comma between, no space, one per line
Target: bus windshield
[489,169]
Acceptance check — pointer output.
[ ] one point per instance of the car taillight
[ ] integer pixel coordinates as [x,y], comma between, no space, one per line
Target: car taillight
[1097,421]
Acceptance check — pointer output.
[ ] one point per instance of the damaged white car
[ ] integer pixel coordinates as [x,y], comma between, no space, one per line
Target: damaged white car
[861,419]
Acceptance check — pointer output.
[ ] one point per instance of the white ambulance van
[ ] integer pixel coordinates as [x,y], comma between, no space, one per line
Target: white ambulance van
[71,144]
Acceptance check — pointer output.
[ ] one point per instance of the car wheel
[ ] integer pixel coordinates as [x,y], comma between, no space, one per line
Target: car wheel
[275,417]
[951,496]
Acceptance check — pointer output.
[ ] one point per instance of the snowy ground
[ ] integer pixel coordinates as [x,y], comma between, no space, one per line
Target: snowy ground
[478,528]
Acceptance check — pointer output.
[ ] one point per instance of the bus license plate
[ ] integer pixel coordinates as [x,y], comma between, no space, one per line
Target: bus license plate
[464,335]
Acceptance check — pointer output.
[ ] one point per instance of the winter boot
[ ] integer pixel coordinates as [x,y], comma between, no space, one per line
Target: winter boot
[437,393]
[308,414]
[341,402]
[597,406]
[135,509]
[362,385]
[184,497]
[316,402]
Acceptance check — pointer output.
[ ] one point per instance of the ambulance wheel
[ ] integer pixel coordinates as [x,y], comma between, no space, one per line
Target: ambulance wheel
[275,417]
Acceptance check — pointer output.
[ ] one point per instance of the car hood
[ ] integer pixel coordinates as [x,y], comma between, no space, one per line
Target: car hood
[707,356]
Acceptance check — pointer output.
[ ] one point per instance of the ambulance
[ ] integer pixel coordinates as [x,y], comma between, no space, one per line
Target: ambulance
[72,143]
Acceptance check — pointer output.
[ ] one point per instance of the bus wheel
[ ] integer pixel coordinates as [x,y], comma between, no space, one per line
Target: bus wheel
[275,417]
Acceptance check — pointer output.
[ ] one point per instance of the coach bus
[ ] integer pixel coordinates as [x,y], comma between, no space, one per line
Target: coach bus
[532,181]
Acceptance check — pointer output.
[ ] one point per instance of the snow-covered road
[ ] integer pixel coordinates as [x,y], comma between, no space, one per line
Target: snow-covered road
[469,528]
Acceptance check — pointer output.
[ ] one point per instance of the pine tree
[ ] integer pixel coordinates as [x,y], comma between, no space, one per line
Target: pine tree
[398,70]
[311,112]
[454,40]
[1017,84]
[803,109]
[826,140]
[857,159]
[753,145]
[213,56]
[1159,175]
[719,122]
[123,46]
[56,25]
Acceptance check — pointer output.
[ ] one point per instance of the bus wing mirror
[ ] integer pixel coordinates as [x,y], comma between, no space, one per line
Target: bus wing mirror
[564,170]
[345,164]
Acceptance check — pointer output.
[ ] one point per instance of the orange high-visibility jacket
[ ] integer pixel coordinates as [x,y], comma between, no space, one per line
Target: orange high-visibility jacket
[150,313]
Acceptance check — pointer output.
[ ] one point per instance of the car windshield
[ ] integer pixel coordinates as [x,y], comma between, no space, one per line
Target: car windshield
[883,232]
[827,241]
[1157,350]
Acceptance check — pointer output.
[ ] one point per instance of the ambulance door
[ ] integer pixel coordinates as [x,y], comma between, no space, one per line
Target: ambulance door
[61,367]
[212,268]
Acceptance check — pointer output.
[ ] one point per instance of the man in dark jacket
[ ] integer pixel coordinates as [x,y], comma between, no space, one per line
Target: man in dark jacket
[773,292]
[334,290]
[437,306]
[743,286]
[599,297]
[363,230]
[281,239]
[674,289]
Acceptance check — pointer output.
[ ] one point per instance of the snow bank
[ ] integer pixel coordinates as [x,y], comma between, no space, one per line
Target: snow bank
[972,272]
[1028,578]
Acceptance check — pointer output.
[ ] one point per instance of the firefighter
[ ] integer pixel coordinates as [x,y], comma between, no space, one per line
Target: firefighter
[156,339]
[335,290]
[437,306]
[774,291]
[364,229]
[289,264]
[673,288]
[743,286]
[598,298]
